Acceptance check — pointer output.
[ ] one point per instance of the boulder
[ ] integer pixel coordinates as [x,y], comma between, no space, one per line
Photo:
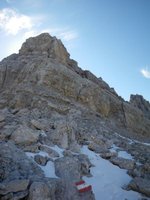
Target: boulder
[49,189]
[40,191]
[85,164]
[52,153]
[6,132]
[75,147]
[34,148]
[41,124]
[108,155]
[97,148]
[14,164]
[20,195]
[14,186]
[141,171]
[41,160]
[123,163]
[140,185]
[25,136]
[68,168]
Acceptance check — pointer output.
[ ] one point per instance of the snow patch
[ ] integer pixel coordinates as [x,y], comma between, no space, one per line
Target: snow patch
[108,179]
[121,153]
[132,141]
[58,150]
[41,153]
[114,148]
[125,138]
[124,154]
[48,169]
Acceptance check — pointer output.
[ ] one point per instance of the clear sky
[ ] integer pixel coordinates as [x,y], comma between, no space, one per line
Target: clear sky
[111,38]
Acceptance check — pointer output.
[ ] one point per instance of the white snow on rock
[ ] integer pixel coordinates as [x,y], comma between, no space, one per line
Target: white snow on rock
[114,148]
[124,154]
[57,149]
[132,141]
[107,179]
[121,153]
[31,155]
[48,169]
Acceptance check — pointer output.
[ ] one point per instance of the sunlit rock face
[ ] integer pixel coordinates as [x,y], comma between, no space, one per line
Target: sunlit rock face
[43,68]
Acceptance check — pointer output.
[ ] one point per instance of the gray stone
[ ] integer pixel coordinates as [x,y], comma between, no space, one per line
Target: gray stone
[41,124]
[6,132]
[2,117]
[41,160]
[34,148]
[14,186]
[67,153]
[20,195]
[15,196]
[39,191]
[52,153]
[75,147]
[140,185]
[15,164]
[109,155]
[123,163]
[97,148]
[141,171]
[85,164]
[23,135]
[50,189]
[9,196]
[68,168]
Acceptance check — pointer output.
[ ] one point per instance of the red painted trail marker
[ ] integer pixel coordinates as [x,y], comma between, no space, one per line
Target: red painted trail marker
[83,187]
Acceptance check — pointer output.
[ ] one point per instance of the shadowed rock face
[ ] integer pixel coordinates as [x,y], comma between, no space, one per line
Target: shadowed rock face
[139,102]
[42,74]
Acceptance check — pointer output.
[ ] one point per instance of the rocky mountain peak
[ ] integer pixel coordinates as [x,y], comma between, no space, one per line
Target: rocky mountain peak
[45,44]
[58,121]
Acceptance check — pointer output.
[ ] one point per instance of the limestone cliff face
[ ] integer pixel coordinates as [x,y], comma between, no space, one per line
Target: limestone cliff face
[139,102]
[43,76]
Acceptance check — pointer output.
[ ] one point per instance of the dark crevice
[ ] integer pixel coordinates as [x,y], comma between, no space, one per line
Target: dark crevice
[4,79]
[124,115]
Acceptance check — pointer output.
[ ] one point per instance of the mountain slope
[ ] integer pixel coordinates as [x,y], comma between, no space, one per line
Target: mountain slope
[43,65]
[47,100]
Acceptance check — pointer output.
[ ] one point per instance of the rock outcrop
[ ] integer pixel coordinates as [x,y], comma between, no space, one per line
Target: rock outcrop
[139,102]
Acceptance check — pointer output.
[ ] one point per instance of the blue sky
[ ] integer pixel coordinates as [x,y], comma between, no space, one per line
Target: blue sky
[111,38]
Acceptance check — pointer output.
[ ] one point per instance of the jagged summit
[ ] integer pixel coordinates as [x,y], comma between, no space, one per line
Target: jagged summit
[45,44]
